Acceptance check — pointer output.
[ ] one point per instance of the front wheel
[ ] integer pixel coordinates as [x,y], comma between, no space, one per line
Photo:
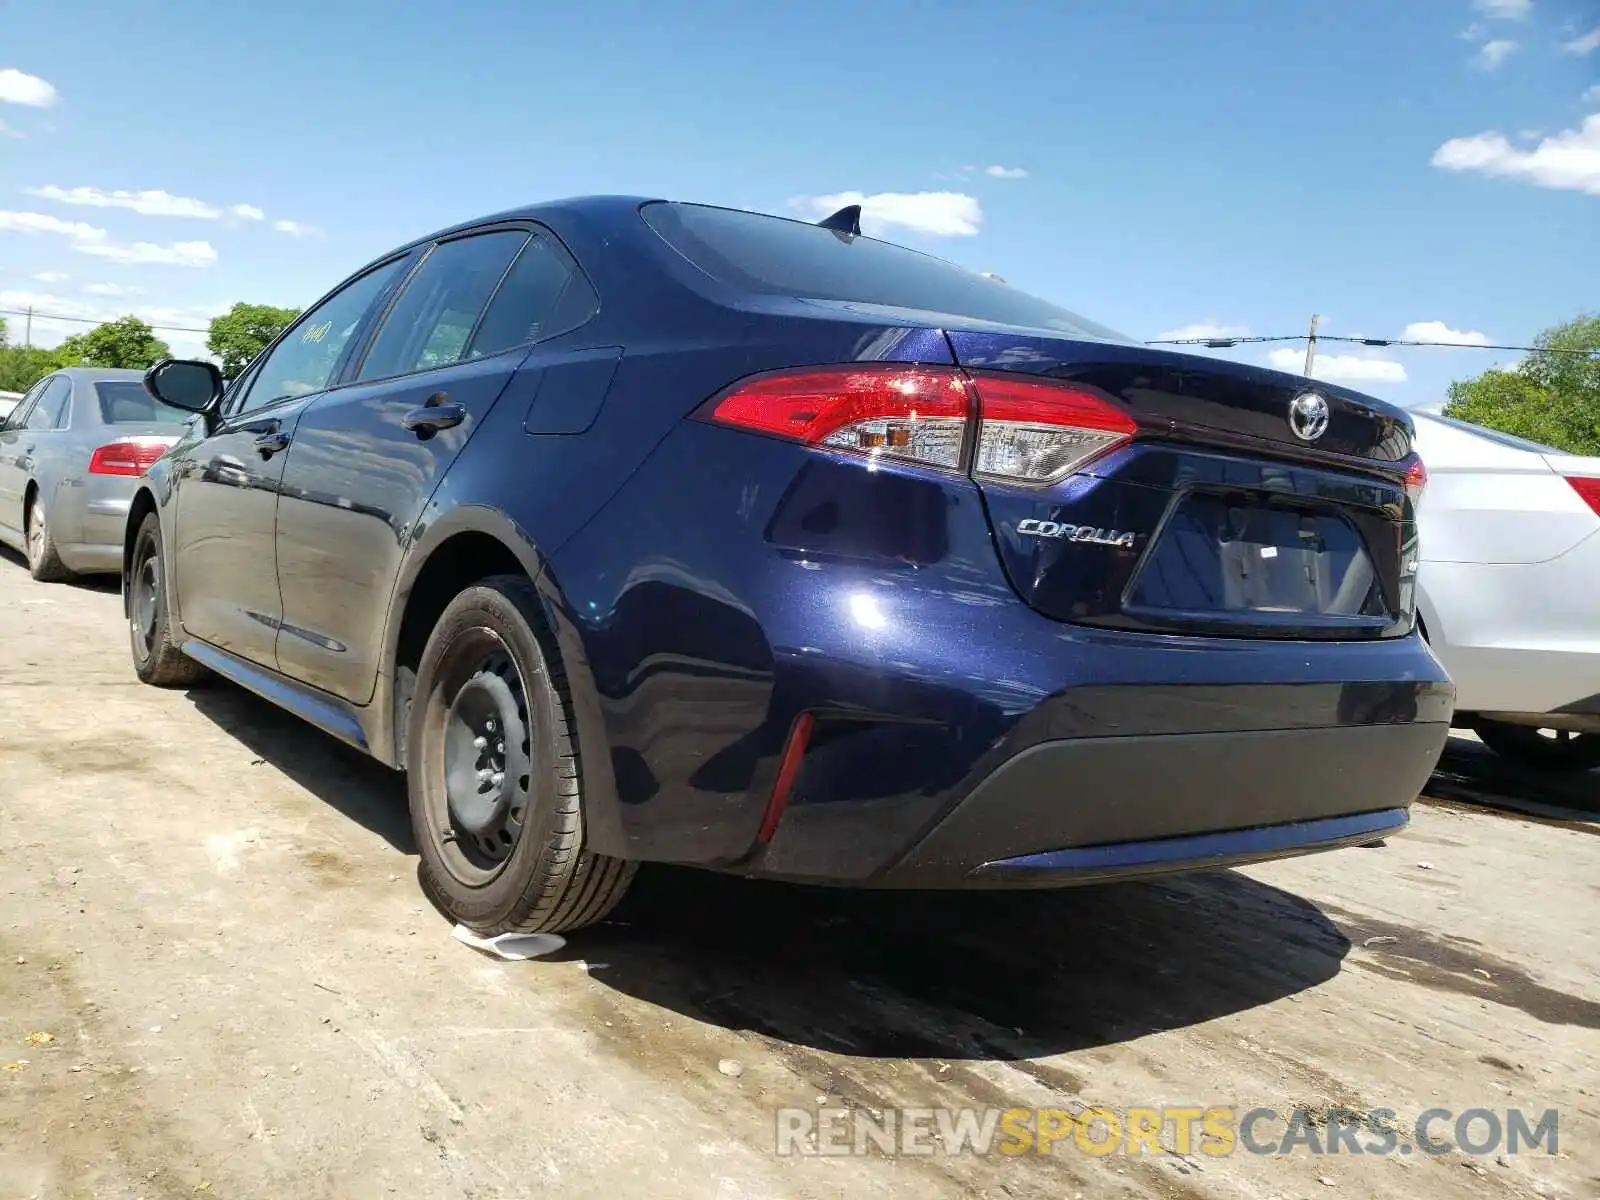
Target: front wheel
[1550,749]
[155,659]
[494,775]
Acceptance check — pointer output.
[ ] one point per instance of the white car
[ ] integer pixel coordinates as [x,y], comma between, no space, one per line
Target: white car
[1509,588]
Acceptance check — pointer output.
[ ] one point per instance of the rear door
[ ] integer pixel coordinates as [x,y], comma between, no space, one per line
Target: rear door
[21,449]
[369,454]
[14,436]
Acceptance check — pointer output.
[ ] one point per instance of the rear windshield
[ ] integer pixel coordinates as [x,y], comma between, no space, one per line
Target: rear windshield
[125,402]
[791,258]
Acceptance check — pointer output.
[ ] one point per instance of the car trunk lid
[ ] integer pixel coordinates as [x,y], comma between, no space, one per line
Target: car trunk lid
[1244,502]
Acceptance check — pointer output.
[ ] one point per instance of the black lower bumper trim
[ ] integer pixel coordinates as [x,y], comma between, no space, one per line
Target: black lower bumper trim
[1094,808]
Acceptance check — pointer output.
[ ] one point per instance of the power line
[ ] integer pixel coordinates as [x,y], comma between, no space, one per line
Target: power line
[32,313]
[1226,343]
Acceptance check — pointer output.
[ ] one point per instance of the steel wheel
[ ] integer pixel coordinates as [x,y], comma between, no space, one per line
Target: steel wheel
[144,608]
[487,759]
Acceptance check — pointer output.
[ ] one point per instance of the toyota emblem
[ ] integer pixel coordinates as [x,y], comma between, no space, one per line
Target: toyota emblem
[1308,416]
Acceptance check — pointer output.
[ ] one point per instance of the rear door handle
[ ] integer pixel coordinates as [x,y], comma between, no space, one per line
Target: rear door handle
[438,412]
[271,443]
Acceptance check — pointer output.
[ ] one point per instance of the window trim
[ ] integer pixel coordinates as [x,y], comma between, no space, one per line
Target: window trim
[336,377]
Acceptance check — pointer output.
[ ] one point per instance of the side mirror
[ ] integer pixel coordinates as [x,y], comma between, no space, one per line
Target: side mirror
[189,384]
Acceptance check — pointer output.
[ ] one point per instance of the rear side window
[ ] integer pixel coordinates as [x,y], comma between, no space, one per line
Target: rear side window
[775,256]
[48,410]
[126,402]
[430,324]
[543,294]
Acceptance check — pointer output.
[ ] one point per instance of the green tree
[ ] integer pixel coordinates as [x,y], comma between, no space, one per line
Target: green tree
[23,366]
[125,342]
[1548,398]
[243,332]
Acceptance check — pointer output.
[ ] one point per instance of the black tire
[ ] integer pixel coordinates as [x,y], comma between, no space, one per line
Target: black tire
[501,854]
[156,660]
[1550,750]
[44,563]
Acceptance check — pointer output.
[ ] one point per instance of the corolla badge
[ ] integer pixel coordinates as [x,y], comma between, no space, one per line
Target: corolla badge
[1075,533]
[1308,416]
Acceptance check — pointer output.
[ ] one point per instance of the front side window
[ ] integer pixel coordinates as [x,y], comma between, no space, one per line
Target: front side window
[52,401]
[430,323]
[304,361]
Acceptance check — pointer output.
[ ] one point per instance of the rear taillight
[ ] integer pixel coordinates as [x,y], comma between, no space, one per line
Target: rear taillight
[1008,427]
[1588,487]
[915,413]
[1037,431]
[1416,480]
[131,457]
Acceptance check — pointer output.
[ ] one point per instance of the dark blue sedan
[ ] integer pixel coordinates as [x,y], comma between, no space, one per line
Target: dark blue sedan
[637,530]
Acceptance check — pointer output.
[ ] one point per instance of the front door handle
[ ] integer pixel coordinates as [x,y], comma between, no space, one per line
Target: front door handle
[269,444]
[438,412]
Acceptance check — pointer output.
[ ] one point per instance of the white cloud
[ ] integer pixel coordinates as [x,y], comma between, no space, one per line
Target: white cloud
[1472,32]
[177,254]
[1339,368]
[52,277]
[112,289]
[56,317]
[1438,331]
[8,132]
[19,88]
[248,212]
[1569,160]
[1209,328]
[1503,10]
[1007,172]
[1587,44]
[27,222]
[150,203]
[1591,96]
[88,239]
[941,214]
[1492,54]
[296,229]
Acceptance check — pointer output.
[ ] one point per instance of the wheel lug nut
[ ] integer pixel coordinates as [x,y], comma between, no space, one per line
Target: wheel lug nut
[485,775]
[498,778]
[480,742]
[489,724]
[499,747]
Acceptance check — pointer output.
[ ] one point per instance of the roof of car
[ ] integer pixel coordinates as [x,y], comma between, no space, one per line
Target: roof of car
[597,206]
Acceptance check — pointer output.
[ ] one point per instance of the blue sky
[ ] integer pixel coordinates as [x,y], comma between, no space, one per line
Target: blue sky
[1166,164]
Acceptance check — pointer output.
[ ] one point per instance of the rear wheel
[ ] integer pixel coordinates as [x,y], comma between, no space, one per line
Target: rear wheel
[1551,749]
[156,660]
[494,774]
[44,564]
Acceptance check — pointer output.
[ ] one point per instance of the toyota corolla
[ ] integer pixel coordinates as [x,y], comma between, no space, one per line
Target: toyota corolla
[640,530]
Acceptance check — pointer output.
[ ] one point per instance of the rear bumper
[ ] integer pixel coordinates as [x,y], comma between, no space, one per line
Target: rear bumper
[1090,809]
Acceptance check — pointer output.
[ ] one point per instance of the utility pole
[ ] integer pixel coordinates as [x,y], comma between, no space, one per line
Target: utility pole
[27,330]
[1311,345]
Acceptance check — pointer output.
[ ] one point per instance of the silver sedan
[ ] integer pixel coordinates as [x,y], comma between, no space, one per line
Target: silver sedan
[71,453]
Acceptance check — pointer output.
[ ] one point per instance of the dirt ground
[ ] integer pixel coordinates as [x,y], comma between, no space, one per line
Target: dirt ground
[212,911]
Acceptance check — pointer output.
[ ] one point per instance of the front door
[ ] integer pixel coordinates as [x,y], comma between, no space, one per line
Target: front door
[228,483]
[369,455]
